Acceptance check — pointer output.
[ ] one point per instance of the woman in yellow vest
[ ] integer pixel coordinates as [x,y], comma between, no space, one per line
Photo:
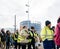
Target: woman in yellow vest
[22,37]
[47,36]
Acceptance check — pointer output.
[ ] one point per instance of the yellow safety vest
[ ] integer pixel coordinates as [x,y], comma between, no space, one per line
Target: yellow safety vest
[35,34]
[15,37]
[46,33]
[21,38]
[31,33]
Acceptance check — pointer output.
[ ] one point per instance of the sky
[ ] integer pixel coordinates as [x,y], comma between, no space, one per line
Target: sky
[40,10]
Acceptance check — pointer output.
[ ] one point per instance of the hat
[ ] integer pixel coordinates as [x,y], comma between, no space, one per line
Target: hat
[47,22]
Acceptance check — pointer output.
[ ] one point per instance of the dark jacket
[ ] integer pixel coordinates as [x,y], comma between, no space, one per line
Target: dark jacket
[3,37]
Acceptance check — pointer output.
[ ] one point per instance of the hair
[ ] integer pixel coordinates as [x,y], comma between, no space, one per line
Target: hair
[47,22]
[58,20]
[7,32]
[32,27]
[24,27]
[2,30]
[28,29]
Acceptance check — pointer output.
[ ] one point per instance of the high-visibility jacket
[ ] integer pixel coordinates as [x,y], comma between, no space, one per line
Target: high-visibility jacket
[33,34]
[22,38]
[16,36]
[46,33]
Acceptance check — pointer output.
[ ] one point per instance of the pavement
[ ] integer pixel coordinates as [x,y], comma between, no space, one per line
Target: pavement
[40,47]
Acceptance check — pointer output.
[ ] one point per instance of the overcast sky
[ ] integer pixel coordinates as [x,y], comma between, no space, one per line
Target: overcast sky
[40,10]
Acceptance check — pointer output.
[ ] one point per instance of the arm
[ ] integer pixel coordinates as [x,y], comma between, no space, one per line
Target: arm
[43,33]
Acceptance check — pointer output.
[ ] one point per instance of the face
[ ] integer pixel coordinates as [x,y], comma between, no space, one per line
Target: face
[3,30]
[8,32]
[16,30]
[21,27]
[49,25]
[25,27]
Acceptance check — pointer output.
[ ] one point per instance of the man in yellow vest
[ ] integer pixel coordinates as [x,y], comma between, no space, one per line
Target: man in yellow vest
[32,37]
[15,39]
[47,36]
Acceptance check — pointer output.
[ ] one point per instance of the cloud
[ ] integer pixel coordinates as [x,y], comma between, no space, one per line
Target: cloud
[39,9]
[54,12]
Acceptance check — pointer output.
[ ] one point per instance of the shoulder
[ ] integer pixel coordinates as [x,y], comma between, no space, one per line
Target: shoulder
[44,28]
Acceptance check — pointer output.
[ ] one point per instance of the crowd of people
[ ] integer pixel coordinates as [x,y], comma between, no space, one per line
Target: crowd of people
[27,38]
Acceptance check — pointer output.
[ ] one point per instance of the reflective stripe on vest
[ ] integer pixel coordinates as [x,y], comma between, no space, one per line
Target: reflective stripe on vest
[31,34]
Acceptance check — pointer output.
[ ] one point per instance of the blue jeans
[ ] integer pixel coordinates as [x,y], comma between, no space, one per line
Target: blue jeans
[48,44]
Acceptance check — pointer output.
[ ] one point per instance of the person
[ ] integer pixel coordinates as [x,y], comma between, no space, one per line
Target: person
[0,39]
[23,36]
[18,41]
[32,35]
[37,42]
[3,38]
[57,34]
[15,39]
[53,28]
[47,36]
[7,39]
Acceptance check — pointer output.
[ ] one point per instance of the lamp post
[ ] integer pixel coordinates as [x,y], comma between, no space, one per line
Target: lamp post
[15,23]
[27,5]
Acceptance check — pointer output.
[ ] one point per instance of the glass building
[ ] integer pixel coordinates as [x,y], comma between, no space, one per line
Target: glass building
[29,24]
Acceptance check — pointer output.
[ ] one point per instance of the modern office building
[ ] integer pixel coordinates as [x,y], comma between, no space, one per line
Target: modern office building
[26,23]
[29,24]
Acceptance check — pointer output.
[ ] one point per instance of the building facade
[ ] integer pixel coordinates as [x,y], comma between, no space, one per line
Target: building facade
[29,24]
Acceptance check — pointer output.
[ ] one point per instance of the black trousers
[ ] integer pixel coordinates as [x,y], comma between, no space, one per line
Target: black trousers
[7,45]
[33,45]
[19,45]
[15,44]
[23,45]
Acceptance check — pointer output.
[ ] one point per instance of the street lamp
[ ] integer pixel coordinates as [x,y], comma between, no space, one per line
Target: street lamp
[15,23]
[27,5]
